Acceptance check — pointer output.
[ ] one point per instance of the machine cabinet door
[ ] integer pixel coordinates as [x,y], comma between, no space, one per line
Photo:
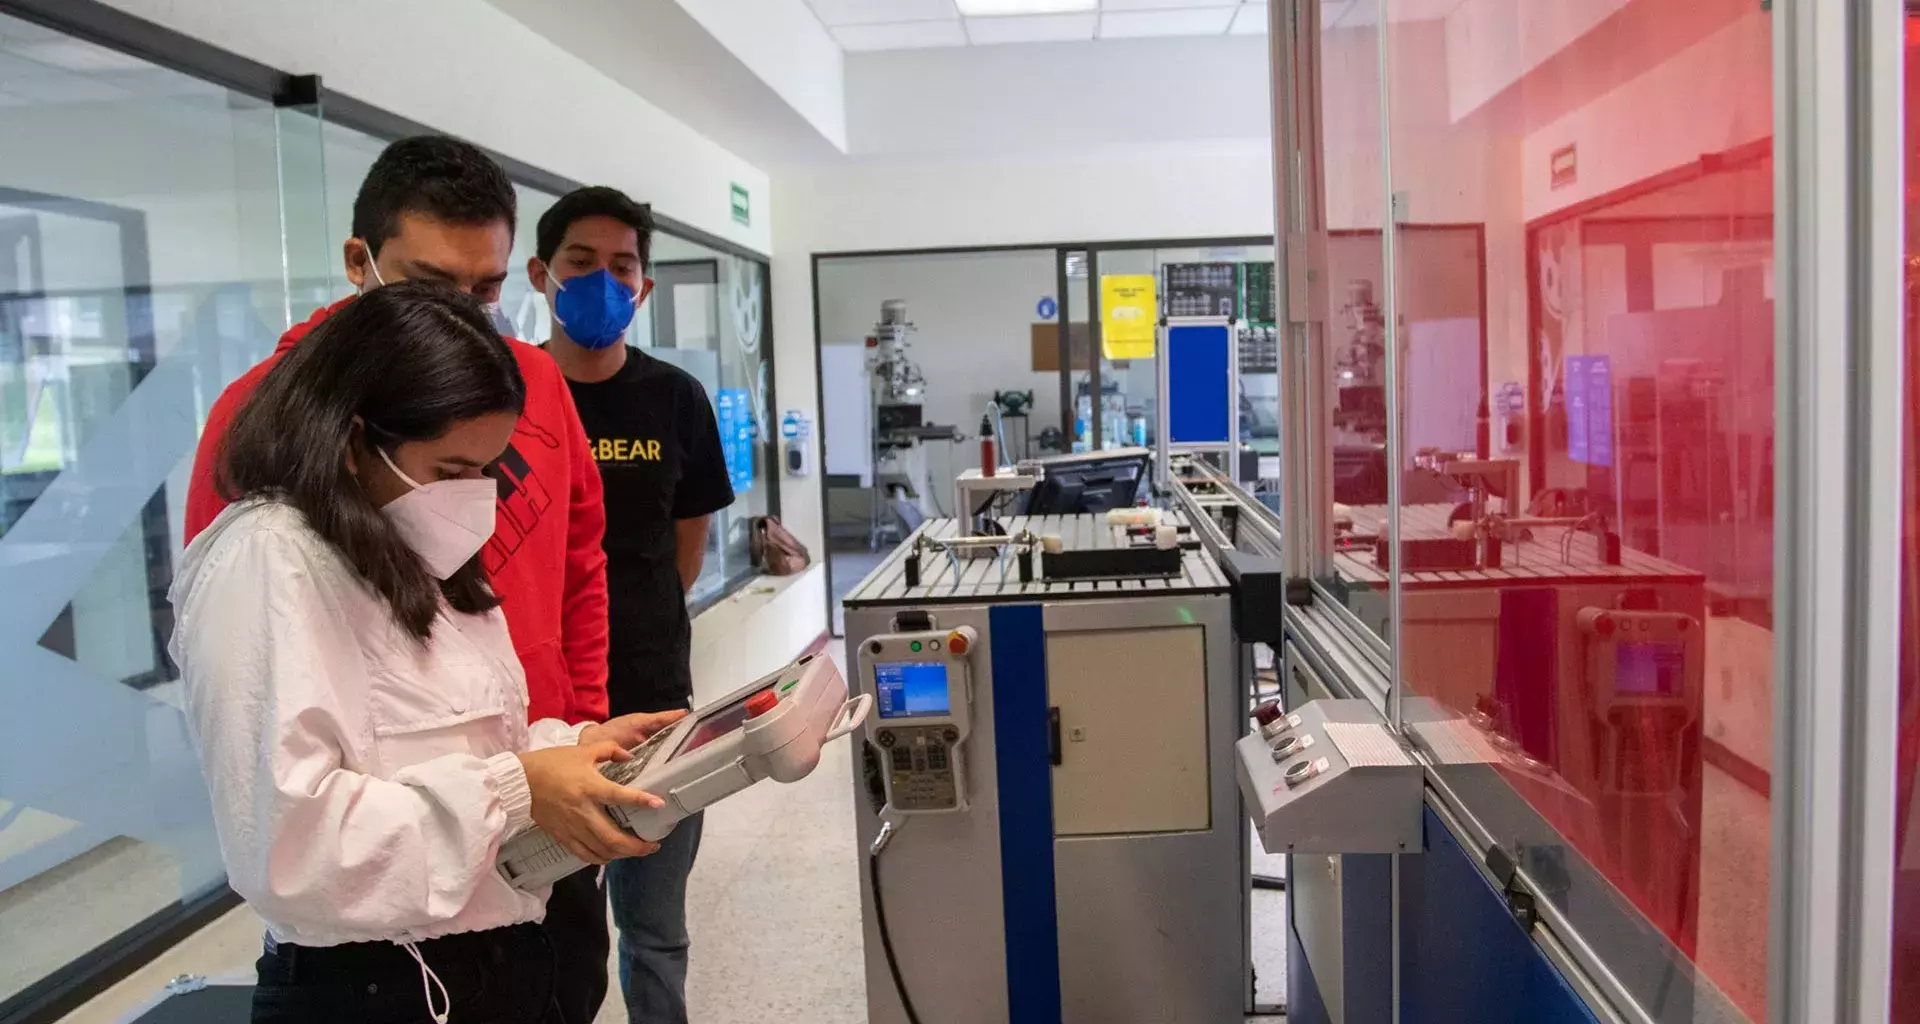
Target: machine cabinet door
[1132,751]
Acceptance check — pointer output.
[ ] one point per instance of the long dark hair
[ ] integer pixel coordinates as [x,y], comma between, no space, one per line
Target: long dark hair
[410,360]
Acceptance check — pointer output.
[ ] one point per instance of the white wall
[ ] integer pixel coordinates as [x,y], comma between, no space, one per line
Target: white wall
[703,71]
[755,631]
[1727,81]
[1495,43]
[1042,97]
[464,67]
[784,43]
[1189,190]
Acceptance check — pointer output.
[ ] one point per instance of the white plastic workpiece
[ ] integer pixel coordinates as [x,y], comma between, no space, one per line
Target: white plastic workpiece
[1133,517]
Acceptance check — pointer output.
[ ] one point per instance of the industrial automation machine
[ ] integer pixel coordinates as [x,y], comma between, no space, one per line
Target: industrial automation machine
[1047,801]
[903,492]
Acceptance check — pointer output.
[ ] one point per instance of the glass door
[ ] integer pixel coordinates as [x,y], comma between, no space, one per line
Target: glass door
[1129,313]
[1078,368]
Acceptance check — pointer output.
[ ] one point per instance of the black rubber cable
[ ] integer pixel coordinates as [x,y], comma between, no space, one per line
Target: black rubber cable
[886,939]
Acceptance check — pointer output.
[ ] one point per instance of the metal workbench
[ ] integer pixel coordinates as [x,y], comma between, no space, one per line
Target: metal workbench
[1536,561]
[999,579]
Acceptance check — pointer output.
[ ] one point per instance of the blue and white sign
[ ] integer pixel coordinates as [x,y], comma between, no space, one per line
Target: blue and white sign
[1600,410]
[1047,309]
[734,409]
[1576,391]
[1589,388]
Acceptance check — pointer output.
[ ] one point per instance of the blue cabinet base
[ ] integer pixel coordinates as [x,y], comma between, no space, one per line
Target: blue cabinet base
[1463,958]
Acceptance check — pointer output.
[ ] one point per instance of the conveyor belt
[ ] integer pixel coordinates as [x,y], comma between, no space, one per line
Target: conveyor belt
[987,578]
[1533,561]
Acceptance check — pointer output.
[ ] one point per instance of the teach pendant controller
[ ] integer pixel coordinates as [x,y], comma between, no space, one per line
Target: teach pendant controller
[922,684]
[772,728]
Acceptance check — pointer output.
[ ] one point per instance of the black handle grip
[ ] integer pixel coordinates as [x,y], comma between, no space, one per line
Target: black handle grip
[1053,735]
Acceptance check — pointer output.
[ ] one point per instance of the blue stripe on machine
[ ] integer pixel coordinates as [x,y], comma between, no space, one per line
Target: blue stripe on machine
[1025,773]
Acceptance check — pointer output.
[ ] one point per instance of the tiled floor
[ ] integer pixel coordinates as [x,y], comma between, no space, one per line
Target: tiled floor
[62,914]
[846,567]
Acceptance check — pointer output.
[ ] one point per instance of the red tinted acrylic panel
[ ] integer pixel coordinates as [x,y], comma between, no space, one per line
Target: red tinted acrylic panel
[1589,578]
[1906,854]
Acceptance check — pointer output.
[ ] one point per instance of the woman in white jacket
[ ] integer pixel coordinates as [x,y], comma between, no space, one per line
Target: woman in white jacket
[359,710]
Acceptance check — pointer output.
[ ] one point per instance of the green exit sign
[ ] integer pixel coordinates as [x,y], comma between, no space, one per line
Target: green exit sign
[742,205]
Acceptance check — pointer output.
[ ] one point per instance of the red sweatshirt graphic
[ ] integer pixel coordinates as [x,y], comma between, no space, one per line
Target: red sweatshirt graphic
[545,558]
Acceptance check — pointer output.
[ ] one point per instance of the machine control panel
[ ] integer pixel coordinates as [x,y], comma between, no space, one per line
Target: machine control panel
[922,686]
[1329,777]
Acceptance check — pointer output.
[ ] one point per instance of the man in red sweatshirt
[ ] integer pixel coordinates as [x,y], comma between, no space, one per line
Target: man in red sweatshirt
[436,208]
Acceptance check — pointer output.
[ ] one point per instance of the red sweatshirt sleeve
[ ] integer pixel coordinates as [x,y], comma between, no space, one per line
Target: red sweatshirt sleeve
[583,640]
[204,502]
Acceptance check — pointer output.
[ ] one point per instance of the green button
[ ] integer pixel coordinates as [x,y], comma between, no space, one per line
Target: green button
[916,646]
[788,685]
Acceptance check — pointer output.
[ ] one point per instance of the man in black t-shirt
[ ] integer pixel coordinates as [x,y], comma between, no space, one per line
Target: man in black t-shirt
[652,431]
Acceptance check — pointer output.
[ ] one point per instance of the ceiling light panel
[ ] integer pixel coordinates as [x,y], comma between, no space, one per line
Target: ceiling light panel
[1004,8]
[1049,28]
[906,35]
[1199,21]
[835,13]
[1250,20]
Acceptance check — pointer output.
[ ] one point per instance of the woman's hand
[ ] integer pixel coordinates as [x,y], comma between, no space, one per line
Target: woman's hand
[571,797]
[629,730]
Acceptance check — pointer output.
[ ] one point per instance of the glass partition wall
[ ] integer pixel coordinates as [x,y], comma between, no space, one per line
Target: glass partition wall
[158,232]
[1556,452]
[151,224]
[1544,347]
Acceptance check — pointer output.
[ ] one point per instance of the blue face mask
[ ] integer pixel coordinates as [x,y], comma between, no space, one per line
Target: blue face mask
[594,309]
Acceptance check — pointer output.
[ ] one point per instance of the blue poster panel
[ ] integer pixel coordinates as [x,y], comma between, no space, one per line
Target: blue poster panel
[1200,400]
[734,412]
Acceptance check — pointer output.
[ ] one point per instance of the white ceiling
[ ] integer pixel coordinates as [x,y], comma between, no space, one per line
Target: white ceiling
[920,24]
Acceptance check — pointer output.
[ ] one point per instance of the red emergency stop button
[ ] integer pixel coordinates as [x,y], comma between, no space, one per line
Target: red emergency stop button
[761,703]
[1267,712]
[957,643]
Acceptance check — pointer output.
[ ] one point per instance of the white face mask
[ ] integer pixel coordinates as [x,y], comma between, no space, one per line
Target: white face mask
[445,522]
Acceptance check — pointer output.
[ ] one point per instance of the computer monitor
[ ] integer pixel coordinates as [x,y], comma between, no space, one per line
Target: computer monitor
[1094,482]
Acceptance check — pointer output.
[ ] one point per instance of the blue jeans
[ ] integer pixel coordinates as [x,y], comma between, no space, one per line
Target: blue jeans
[649,896]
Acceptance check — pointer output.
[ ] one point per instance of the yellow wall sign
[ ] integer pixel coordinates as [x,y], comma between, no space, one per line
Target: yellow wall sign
[1128,309]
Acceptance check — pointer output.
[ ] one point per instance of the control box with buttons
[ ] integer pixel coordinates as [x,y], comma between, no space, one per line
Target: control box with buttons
[1329,777]
[923,712]
[771,728]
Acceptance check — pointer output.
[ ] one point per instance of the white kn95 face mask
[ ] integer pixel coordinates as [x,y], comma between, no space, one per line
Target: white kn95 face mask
[445,522]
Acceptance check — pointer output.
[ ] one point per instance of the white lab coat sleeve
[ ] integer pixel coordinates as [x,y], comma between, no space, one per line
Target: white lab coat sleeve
[554,732]
[277,691]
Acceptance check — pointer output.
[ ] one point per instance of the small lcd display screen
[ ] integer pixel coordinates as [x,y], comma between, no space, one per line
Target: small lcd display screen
[909,689]
[1649,669]
[715,725]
